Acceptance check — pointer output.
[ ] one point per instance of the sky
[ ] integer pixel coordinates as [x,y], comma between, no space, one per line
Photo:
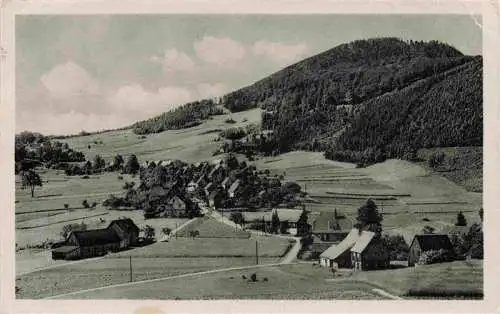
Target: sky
[97,72]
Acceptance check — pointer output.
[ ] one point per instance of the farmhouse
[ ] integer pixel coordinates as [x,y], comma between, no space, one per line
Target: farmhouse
[428,242]
[215,198]
[127,230]
[120,234]
[289,216]
[175,207]
[359,250]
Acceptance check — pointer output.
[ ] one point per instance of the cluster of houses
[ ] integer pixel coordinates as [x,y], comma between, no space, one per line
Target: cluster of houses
[120,234]
[365,250]
[174,187]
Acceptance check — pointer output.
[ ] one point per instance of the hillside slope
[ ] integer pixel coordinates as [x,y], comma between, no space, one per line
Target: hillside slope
[382,95]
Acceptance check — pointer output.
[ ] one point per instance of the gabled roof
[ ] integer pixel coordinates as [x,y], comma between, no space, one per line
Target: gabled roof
[362,242]
[288,214]
[433,242]
[65,249]
[214,170]
[234,186]
[126,224]
[336,250]
[176,201]
[96,237]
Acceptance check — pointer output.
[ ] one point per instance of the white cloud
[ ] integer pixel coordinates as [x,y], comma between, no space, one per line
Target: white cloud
[221,51]
[136,101]
[68,123]
[69,80]
[206,90]
[174,60]
[281,53]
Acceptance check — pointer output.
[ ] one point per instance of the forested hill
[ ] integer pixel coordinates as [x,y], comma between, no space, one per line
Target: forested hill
[380,96]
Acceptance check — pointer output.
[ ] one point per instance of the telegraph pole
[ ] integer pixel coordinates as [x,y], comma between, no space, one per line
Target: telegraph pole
[256,252]
[130,263]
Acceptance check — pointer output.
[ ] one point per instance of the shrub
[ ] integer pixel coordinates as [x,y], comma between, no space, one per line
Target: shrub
[436,159]
[85,204]
[230,120]
[66,206]
[128,185]
[149,232]
[94,205]
[120,178]
[166,231]
[435,256]
[265,279]
[116,202]
[397,246]
[253,277]
[66,229]
[237,218]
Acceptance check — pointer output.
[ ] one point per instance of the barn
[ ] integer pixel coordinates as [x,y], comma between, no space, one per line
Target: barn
[428,242]
[127,230]
[120,234]
[359,250]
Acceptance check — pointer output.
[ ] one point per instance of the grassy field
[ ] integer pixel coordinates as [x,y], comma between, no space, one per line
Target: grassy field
[192,144]
[211,228]
[456,279]
[108,271]
[283,282]
[407,193]
[212,247]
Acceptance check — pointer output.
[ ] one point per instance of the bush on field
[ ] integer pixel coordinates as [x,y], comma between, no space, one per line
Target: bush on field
[116,202]
[436,256]
[128,185]
[237,218]
[233,133]
[397,246]
[72,227]
[436,159]
[230,120]
[85,204]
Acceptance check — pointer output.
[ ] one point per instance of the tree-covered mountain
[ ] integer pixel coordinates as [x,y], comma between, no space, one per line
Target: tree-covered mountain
[371,99]
[185,116]
[362,101]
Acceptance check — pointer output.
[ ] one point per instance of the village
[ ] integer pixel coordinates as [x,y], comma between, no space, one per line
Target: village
[236,194]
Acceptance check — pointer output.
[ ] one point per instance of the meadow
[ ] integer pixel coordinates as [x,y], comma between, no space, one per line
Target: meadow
[276,282]
[459,279]
[108,271]
[273,247]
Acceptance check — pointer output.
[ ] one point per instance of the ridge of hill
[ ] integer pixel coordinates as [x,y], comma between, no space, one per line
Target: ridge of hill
[370,100]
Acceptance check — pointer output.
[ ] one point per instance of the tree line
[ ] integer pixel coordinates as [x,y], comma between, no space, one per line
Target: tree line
[185,116]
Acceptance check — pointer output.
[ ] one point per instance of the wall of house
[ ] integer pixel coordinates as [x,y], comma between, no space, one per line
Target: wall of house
[375,256]
[344,260]
[414,253]
[98,250]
